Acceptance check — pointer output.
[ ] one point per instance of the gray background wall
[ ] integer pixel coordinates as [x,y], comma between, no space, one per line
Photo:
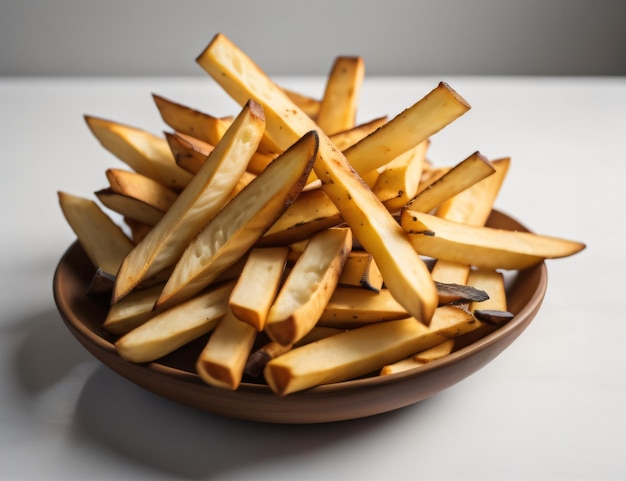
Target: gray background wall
[421,37]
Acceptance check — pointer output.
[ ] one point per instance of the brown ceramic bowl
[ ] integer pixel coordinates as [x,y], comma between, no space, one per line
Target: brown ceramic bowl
[174,376]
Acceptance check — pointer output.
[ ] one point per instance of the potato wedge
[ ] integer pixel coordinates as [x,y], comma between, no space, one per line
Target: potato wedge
[187,155]
[223,359]
[309,285]
[484,247]
[206,194]
[258,285]
[347,138]
[130,207]
[403,269]
[239,225]
[142,151]
[340,101]
[141,187]
[102,239]
[363,350]
[173,328]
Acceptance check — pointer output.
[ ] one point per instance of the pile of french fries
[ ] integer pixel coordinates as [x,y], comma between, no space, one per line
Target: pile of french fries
[309,248]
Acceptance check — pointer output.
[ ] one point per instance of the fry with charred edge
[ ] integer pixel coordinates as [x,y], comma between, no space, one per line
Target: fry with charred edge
[258,284]
[237,227]
[102,239]
[402,267]
[421,358]
[144,152]
[466,173]
[363,350]
[222,361]
[340,101]
[485,247]
[361,270]
[414,125]
[173,328]
[308,287]
[197,204]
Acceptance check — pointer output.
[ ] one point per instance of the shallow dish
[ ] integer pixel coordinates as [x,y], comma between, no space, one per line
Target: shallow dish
[174,377]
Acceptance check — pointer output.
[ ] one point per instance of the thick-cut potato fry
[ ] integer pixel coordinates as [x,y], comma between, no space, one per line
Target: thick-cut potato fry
[308,105]
[485,247]
[190,121]
[473,205]
[258,285]
[466,173]
[363,350]
[351,307]
[206,194]
[361,270]
[187,155]
[311,212]
[403,269]
[175,327]
[397,184]
[409,128]
[132,311]
[142,151]
[102,239]
[138,230]
[347,138]
[340,101]
[223,359]
[308,287]
[419,359]
[136,196]
[239,225]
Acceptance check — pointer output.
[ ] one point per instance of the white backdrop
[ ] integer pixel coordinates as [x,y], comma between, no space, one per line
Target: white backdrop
[466,37]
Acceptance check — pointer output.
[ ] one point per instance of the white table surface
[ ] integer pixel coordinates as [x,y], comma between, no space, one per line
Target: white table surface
[550,407]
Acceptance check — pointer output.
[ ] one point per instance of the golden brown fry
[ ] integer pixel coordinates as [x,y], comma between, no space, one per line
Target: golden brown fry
[361,271]
[258,284]
[340,101]
[308,287]
[142,151]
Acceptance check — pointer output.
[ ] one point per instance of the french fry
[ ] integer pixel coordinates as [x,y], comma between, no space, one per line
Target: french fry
[223,359]
[485,247]
[192,122]
[398,183]
[188,155]
[142,151]
[102,239]
[206,194]
[419,359]
[173,328]
[414,125]
[466,173]
[347,138]
[362,350]
[311,212]
[239,225]
[132,311]
[340,101]
[308,287]
[308,105]
[403,269]
[361,270]
[256,288]
[136,196]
